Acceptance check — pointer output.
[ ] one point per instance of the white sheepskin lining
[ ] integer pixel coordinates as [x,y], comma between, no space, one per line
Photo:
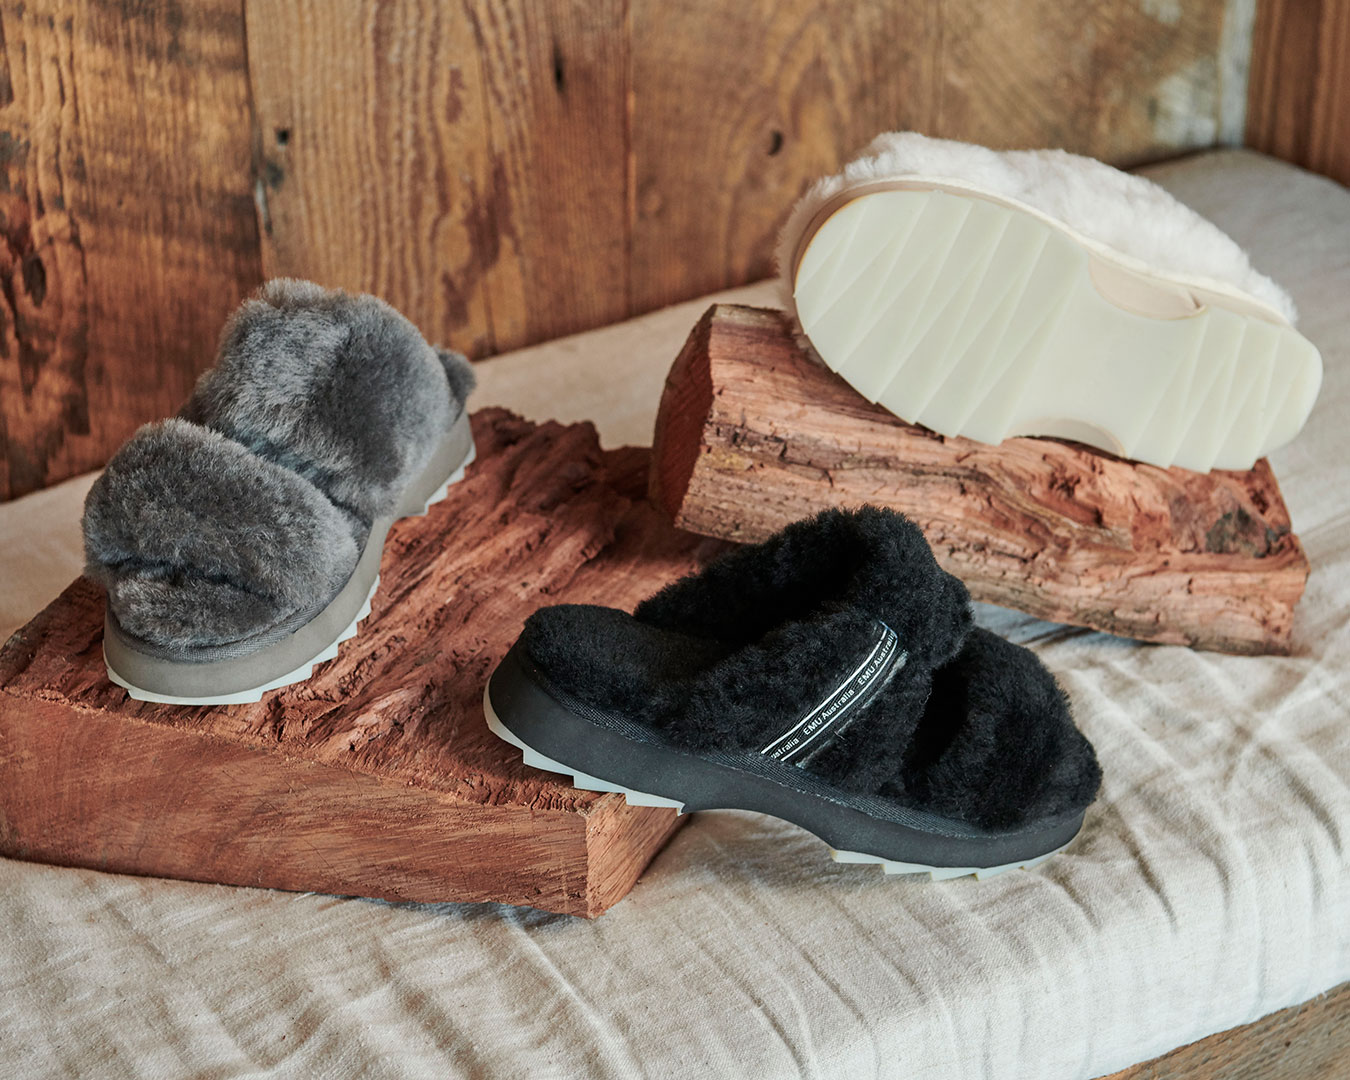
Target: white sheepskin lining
[1126,213]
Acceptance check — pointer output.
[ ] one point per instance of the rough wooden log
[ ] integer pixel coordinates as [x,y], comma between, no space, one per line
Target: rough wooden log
[752,435]
[376,777]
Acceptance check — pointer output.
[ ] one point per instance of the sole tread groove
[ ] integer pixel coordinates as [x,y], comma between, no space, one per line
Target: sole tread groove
[993,322]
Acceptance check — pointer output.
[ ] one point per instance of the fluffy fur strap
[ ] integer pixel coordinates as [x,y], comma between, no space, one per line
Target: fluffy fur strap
[997,745]
[336,387]
[800,611]
[867,564]
[200,542]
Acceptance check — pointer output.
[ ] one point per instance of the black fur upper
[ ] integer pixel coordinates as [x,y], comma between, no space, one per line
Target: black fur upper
[998,743]
[970,726]
[862,564]
[773,626]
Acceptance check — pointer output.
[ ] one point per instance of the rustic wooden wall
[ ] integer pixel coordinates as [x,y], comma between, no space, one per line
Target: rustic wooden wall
[503,170]
[1299,106]
[127,209]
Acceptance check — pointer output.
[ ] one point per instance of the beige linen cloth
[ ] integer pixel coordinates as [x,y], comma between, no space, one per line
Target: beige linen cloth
[1209,886]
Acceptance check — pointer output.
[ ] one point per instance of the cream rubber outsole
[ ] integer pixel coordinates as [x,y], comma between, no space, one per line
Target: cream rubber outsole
[978,317]
[586,782]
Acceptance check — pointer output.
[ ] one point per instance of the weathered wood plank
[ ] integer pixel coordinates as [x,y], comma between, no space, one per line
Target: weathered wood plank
[375,172]
[752,435]
[1126,83]
[377,776]
[737,107]
[1306,1041]
[597,160]
[555,74]
[1299,104]
[467,163]
[128,219]
[729,125]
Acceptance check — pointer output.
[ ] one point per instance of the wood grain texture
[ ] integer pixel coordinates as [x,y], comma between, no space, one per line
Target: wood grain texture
[1126,83]
[128,220]
[1307,1042]
[373,167]
[1299,103]
[729,126]
[466,162]
[504,171]
[555,76]
[737,107]
[377,776]
[752,435]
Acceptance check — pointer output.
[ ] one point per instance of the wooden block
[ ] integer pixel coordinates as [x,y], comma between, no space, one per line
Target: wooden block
[752,435]
[376,777]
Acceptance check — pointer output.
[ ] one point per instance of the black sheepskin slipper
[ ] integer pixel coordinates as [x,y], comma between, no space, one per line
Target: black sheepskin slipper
[829,676]
[240,541]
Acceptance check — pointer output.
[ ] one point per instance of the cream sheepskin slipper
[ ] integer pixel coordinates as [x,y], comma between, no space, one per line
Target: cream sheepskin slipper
[989,295]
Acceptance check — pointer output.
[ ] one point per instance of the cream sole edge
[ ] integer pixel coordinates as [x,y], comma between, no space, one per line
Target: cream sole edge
[982,318]
[305,670]
[586,782]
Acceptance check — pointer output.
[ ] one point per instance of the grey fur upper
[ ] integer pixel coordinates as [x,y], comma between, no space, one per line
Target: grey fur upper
[339,388]
[195,538]
[254,504]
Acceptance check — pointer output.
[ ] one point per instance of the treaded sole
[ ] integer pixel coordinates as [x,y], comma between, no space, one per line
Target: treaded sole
[586,782]
[248,695]
[581,780]
[244,697]
[977,318]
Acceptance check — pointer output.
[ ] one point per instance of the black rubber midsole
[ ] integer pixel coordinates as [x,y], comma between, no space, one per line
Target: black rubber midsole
[621,752]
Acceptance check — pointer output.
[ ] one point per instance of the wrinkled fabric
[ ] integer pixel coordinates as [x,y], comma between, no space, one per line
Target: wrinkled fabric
[1211,883]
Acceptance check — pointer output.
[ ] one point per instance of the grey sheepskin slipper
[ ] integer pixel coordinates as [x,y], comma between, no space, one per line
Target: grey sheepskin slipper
[831,677]
[240,541]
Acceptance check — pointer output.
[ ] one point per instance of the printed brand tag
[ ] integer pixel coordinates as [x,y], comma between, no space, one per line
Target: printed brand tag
[847,699]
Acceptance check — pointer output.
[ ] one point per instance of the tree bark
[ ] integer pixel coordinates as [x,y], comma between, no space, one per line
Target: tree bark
[752,435]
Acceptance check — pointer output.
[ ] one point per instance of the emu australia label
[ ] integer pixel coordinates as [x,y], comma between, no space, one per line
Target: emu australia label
[849,698]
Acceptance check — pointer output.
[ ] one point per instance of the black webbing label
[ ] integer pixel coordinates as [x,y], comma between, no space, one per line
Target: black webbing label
[850,697]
